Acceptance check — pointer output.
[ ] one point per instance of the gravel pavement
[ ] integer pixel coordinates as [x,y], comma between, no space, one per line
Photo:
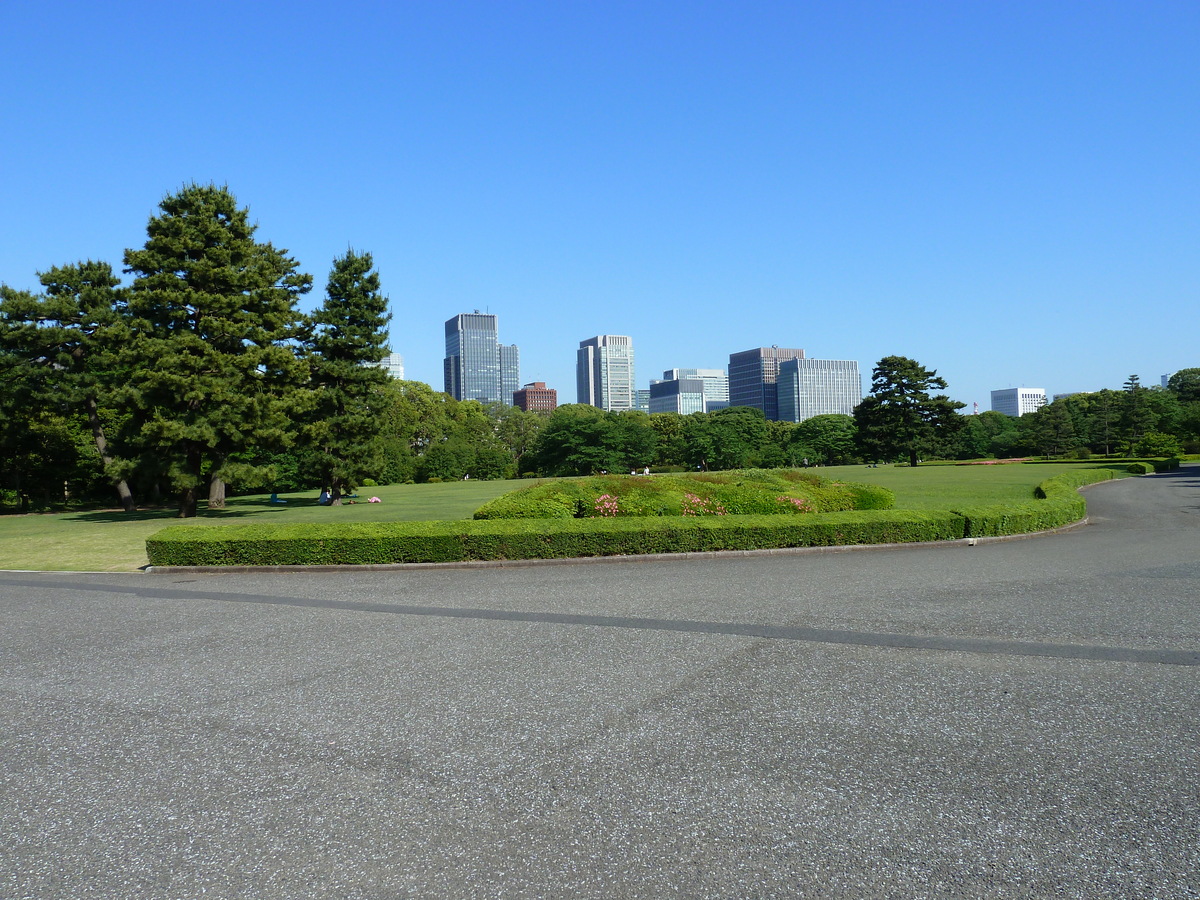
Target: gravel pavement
[1014,719]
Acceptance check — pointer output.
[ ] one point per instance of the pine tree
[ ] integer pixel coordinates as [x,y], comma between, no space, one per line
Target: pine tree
[212,347]
[348,342]
[899,417]
[66,341]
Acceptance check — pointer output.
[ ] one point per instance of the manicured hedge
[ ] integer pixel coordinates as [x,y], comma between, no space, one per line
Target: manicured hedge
[264,544]
[1057,502]
[409,542]
[738,492]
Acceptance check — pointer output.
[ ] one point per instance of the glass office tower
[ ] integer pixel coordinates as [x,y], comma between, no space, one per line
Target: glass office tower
[477,366]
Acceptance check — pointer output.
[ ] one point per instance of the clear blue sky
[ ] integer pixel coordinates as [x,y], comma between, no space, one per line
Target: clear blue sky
[1008,192]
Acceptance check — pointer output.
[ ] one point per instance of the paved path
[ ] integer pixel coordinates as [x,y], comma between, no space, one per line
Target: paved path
[1016,719]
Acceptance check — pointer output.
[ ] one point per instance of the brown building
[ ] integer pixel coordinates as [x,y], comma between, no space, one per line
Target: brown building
[535,396]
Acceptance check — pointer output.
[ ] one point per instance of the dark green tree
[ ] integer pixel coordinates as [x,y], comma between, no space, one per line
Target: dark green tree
[1050,429]
[66,341]
[582,440]
[517,429]
[826,439]
[899,417]
[670,448]
[349,339]
[212,346]
[1186,385]
[1137,414]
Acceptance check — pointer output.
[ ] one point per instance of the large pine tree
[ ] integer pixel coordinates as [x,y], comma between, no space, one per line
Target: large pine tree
[213,331]
[65,340]
[899,418]
[349,339]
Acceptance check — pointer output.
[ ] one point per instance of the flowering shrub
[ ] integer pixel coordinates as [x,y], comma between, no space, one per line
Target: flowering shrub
[699,506]
[801,504]
[606,505]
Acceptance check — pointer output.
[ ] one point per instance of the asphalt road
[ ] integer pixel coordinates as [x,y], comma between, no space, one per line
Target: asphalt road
[1014,719]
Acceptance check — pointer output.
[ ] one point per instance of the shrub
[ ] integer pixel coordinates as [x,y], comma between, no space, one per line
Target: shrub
[429,542]
[747,492]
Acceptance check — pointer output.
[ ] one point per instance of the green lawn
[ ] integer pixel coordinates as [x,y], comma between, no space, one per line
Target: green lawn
[110,541]
[113,541]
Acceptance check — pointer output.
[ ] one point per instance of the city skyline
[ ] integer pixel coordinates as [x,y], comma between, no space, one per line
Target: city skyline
[1005,193]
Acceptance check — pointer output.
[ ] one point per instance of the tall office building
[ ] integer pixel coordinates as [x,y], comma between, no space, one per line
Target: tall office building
[753,375]
[604,372]
[1018,401]
[716,384]
[477,366]
[393,364]
[817,387]
[687,391]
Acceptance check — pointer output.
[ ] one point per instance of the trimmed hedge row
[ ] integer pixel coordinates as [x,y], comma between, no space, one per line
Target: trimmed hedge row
[511,539]
[1057,502]
[735,492]
[426,542]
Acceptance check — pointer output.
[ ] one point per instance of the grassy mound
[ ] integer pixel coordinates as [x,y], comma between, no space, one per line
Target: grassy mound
[735,493]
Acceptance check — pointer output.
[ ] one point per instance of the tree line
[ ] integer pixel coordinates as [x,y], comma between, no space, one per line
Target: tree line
[202,375]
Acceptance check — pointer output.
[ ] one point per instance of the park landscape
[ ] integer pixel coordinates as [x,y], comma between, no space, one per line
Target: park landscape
[112,540]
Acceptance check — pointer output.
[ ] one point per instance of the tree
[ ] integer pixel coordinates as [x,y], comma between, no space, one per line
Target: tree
[66,342]
[827,439]
[899,417]
[212,339]
[517,429]
[578,440]
[1137,416]
[1186,385]
[348,341]
[1050,428]
[1154,443]
[738,434]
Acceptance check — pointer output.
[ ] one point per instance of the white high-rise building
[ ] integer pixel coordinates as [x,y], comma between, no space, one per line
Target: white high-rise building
[604,372]
[686,391]
[393,364]
[1018,401]
[817,387]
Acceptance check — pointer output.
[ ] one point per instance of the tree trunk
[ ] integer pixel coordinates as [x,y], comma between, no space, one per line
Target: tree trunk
[188,496]
[216,494]
[912,458]
[187,503]
[123,492]
[216,485]
[335,492]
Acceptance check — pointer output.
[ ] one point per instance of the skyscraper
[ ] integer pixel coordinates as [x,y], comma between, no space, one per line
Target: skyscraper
[604,372]
[1018,401]
[687,391]
[477,366]
[753,375]
[716,385]
[393,364]
[817,387]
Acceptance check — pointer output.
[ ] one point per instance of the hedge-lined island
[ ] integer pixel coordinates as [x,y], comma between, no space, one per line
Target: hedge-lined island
[634,515]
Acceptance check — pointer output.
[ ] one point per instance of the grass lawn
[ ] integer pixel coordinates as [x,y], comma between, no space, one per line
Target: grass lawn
[112,541]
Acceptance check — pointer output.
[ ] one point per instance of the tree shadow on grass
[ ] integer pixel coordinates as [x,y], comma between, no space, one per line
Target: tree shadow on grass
[235,508]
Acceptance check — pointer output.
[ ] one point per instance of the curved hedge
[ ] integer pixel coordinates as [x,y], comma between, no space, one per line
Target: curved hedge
[1057,503]
[736,492]
[428,542]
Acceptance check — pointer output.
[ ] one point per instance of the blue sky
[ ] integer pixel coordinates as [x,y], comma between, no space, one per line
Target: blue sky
[1006,192]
